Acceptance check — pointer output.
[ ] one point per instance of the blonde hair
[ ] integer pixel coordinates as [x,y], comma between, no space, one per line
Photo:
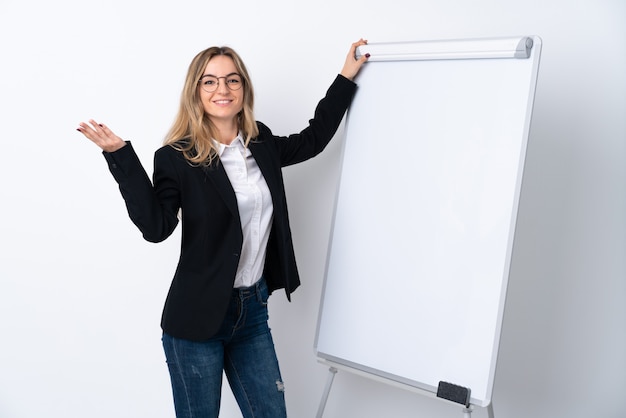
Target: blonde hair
[192,132]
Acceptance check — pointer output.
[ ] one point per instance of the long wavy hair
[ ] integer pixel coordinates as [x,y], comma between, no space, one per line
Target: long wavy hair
[192,132]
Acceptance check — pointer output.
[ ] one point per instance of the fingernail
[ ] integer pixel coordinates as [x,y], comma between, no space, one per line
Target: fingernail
[367,55]
[100,125]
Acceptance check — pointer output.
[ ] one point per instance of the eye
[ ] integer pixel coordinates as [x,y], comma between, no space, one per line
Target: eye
[209,81]
[234,80]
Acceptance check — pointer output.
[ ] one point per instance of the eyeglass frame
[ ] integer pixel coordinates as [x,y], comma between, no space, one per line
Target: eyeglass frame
[242,81]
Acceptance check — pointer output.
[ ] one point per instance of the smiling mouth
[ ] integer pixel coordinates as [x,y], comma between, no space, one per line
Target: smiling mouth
[222,102]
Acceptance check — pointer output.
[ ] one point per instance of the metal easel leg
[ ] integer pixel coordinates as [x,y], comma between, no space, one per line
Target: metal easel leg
[467,412]
[329,382]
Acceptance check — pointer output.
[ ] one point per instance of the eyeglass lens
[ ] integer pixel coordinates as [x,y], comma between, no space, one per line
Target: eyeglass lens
[210,83]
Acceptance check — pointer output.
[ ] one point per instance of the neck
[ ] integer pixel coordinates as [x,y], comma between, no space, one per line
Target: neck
[226,132]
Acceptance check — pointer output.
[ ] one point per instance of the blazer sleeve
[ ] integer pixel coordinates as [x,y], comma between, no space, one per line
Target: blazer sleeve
[153,209]
[328,115]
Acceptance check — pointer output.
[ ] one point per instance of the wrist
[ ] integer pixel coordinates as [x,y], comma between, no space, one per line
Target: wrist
[115,147]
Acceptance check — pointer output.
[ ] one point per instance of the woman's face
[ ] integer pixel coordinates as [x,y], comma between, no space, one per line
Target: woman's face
[221,90]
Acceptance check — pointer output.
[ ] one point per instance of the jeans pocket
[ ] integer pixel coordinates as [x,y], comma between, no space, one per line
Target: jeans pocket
[262,292]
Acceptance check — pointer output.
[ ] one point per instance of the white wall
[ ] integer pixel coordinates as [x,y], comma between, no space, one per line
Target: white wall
[81,292]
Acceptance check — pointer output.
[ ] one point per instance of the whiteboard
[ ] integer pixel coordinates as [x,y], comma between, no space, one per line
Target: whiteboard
[423,228]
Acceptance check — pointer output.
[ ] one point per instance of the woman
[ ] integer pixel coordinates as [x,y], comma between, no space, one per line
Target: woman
[221,171]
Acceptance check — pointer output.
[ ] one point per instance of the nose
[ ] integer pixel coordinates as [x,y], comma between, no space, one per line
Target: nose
[222,88]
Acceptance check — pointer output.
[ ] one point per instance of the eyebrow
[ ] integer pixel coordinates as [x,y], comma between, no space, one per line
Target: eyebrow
[227,75]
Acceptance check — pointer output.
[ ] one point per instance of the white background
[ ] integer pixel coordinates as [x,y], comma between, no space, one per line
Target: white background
[81,293]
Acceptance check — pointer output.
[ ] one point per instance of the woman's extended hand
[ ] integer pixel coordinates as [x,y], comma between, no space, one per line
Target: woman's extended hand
[101,135]
[352,65]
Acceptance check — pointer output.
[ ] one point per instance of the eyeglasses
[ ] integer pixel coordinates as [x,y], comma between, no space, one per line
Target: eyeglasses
[209,83]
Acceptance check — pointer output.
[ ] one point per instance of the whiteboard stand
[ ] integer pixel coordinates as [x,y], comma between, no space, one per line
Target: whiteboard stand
[435,217]
[332,371]
[467,412]
[333,368]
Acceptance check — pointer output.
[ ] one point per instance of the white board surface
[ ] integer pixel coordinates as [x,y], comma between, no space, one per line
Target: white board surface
[424,222]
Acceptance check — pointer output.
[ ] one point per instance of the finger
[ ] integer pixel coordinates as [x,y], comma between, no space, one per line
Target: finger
[93,131]
[354,47]
[89,133]
[102,131]
[360,42]
[86,129]
[98,127]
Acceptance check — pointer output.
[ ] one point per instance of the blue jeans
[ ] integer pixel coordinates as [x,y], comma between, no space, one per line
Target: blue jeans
[243,348]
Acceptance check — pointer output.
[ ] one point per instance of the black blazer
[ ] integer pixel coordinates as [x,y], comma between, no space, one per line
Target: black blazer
[211,237]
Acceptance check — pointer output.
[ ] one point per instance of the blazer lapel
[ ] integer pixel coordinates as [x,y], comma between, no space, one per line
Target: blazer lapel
[218,177]
[264,161]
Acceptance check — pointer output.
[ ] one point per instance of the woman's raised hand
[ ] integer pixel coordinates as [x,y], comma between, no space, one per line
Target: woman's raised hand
[101,135]
[352,65]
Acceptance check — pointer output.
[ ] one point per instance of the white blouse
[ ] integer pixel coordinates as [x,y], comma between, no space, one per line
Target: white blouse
[255,208]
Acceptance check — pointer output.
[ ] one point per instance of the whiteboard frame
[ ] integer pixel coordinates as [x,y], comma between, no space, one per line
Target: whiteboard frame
[446,50]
